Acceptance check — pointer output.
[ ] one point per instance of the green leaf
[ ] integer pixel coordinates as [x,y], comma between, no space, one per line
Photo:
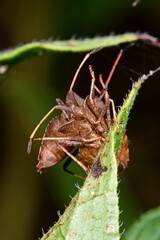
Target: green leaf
[146,228]
[13,56]
[93,213]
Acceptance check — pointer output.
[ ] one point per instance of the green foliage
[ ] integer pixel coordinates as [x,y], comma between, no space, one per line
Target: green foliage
[13,56]
[147,227]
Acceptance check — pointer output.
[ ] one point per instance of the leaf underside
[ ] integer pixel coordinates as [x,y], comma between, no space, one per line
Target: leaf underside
[93,213]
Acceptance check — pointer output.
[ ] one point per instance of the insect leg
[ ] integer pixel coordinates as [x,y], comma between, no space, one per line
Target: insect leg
[65,166]
[92,84]
[95,139]
[114,114]
[60,102]
[92,108]
[68,141]
[71,141]
[80,66]
[97,89]
[107,101]
[60,107]
[91,102]
[91,96]
[74,158]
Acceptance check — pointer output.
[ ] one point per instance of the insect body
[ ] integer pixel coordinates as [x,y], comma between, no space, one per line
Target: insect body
[84,123]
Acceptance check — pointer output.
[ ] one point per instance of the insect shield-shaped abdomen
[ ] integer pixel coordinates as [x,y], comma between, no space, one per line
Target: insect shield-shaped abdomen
[50,153]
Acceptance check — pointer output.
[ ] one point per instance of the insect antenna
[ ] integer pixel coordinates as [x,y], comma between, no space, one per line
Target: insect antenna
[116,63]
[80,66]
[113,68]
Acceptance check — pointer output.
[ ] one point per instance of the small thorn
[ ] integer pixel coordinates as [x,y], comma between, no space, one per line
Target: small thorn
[122,232]
[59,214]
[29,146]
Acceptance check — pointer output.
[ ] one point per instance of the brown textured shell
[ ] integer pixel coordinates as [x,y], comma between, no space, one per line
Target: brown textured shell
[87,155]
[75,127]
[51,154]
[83,123]
[78,126]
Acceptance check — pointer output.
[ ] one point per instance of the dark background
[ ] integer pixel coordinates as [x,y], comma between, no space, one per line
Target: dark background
[29,201]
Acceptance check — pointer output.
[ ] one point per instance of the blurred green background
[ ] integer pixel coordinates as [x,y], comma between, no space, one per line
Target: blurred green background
[30,201]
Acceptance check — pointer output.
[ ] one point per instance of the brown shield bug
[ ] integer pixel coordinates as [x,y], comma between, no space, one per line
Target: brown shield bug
[83,123]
